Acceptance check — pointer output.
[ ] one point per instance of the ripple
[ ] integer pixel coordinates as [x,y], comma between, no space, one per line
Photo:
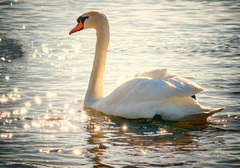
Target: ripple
[44,75]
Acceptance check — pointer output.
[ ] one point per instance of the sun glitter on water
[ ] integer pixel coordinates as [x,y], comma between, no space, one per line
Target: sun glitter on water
[124,127]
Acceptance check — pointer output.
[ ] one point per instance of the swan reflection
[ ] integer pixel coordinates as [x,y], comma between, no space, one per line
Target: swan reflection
[109,134]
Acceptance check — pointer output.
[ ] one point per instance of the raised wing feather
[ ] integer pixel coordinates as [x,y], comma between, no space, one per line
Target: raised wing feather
[189,88]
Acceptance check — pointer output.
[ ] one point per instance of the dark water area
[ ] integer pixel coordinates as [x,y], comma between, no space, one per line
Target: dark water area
[44,74]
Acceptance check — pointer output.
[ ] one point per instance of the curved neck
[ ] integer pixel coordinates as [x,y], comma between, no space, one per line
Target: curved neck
[95,91]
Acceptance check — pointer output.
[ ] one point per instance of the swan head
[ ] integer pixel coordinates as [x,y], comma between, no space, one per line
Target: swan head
[88,20]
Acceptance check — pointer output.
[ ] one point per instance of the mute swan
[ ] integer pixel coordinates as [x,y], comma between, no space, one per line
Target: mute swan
[155,92]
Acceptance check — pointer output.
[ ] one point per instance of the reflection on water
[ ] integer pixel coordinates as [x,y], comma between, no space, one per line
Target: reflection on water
[10,49]
[140,139]
[44,74]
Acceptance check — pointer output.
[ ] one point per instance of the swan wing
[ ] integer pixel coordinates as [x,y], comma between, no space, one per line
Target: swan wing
[137,98]
[188,87]
[144,97]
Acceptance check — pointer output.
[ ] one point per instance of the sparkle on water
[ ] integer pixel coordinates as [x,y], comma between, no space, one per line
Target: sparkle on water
[44,74]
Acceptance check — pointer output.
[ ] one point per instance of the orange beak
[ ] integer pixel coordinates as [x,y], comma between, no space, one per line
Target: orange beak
[77,28]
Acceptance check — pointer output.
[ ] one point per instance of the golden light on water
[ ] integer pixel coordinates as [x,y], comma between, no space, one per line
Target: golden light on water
[35,53]
[10,96]
[8,121]
[44,150]
[23,111]
[43,121]
[66,106]
[28,104]
[53,124]
[27,126]
[50,105]
[7,78]
[36,124]
[84,117]
[5,114]
[3,99]
[45,48]
[38,100]
[6,136]
[72,111]
[97,128]
[163,132]
[51,94]
[3,59]
[65,128]
[16,112]
[78,152]
[124,127]
[144,151]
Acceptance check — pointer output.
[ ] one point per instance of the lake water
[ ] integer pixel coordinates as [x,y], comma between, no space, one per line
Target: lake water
[44,74]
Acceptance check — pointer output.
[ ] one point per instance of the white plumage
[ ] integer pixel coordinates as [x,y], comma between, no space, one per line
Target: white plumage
[155,92]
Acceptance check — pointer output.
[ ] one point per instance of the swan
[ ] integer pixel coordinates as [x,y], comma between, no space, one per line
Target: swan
[148,94]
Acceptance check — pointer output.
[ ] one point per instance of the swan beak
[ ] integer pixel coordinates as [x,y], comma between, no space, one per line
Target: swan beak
[77,28]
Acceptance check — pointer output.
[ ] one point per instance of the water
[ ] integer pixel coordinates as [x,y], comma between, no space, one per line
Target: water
[44,74]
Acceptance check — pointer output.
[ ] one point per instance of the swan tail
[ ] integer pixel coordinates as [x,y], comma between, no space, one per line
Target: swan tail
[207,113]
[213,111]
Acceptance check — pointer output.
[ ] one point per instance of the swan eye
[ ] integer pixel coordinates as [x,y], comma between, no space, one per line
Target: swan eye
[82,19]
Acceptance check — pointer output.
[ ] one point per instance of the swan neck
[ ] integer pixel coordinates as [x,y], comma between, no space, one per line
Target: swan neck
[95,90]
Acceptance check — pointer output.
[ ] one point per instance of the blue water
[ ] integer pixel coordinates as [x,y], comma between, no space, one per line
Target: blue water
[44,74]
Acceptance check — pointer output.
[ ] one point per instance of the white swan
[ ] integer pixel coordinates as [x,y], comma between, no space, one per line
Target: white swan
[151,93]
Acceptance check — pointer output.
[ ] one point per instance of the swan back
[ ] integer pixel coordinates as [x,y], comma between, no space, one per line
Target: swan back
[188,88]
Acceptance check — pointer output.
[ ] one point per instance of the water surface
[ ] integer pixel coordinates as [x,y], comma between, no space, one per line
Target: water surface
[44,74]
